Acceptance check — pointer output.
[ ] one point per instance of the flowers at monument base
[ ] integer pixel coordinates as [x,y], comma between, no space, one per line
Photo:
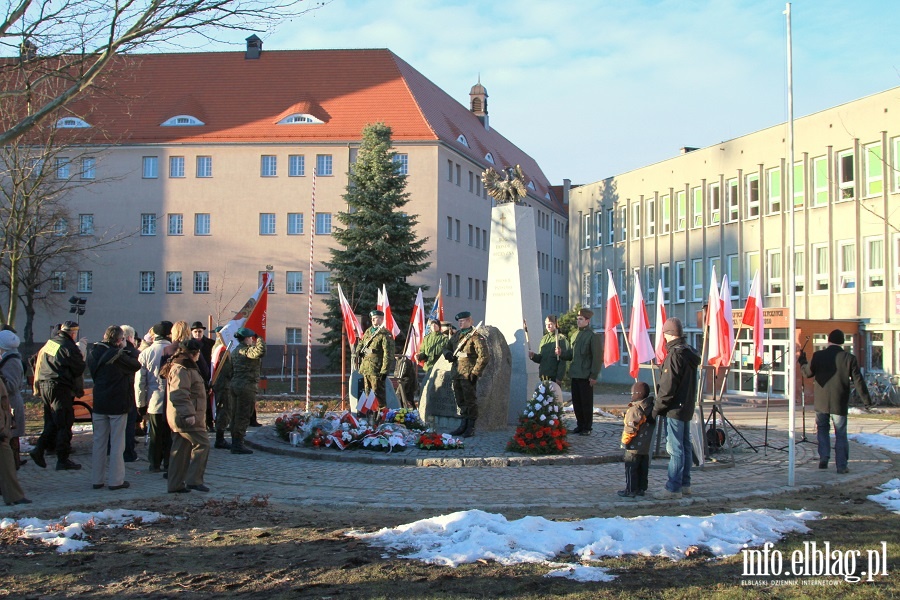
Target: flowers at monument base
[342,430]
[407,417]
[432,440]
[540,429]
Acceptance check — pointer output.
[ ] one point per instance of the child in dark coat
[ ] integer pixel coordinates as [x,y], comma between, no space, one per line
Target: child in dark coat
[636,439]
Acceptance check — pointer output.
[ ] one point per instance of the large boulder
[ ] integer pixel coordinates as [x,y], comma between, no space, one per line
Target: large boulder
[438,404]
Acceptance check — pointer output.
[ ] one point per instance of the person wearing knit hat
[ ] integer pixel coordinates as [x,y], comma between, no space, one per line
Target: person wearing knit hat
[832,370]
[637,438]
[586,353]
[13,371]
[198,332]
[9,481]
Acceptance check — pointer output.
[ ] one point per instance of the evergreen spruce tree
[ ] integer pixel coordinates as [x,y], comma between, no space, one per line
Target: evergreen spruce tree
[378,243]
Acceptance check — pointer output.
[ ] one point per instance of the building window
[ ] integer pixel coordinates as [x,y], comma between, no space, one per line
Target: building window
[598,228]
[773,272]
[874,263]
[484,240]
[773,189]
[58,281]
[799,270]
[586,290]
[449,284]
[323,224]
[846,178]
[204,166]
[176,224]
[295,224]
[456,285]
[752,266]
[173,282]
[680,211]
[266,223]
[586,231]
[88,168]
[85,282]
[86,224]
[148,224]
[650,216]
[623,287]
[296,165]
[402,162]
[456,223]
[752,197]
[610,226]
[323,282]
[734,280]
[636,220]
[873,169]
[150,167]
[293,336]
[715,204]
[733,200]
[478,237]
[651,285]
[598,288]
[623,224]
[471,235]
[665,207]
[799,185]
[201,282]
[697,207]
[715,266]
[63,167]
[697,279]
[176,167]
[450,171]
[61,228]
[268,166]
[201,224]
[148,282]
[820,181]
[679,282]
[896,166]
[271,286]
[820,270]
[294,282]
[323,165]
[846,257]
[458,175]
[666,277]
[449,228]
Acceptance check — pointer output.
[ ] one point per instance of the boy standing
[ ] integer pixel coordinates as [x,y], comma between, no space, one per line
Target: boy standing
[636,439]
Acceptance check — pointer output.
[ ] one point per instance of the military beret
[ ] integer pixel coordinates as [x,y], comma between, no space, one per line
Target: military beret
[376,313]
[463,315]
[243,332]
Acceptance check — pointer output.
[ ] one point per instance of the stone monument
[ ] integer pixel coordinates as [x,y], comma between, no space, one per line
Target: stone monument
[513,294]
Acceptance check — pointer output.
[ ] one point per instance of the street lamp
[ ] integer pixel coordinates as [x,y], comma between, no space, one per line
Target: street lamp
[76,307]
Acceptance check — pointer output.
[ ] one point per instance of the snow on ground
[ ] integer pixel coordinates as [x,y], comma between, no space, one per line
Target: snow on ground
[67,533]
[877,440]
[890,497]
[468,536]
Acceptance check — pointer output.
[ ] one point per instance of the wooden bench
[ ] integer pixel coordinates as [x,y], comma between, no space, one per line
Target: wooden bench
[84,407]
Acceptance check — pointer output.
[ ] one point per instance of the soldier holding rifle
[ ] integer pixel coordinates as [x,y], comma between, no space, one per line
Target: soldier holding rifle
[469,351]
[374,353]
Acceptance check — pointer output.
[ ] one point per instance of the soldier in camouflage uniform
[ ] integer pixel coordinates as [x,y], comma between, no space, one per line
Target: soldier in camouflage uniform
[246,361]
[376,348]
[469,351]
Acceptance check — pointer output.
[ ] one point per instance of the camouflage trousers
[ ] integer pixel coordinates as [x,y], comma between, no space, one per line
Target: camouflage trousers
[243,401]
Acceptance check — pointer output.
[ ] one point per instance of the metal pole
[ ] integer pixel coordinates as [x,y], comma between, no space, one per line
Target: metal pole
[792,299]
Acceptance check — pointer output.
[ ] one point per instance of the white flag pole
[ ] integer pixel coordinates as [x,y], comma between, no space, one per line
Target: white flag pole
[792,299]
[309,292]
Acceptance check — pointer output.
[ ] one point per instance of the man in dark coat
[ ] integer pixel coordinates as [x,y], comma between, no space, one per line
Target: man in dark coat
[58,380]
[675,400]
[586,354]
[832,370]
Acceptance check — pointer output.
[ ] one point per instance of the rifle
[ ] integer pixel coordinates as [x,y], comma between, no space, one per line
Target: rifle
[463,341]
[218,370]
[361,352]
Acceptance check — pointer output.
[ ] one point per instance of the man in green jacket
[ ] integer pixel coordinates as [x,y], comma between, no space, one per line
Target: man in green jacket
[552,348]
[586,355]
[376,349]
[246,364]
[432,346]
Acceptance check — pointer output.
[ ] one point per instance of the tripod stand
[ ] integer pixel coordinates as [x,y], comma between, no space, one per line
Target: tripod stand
[713,440]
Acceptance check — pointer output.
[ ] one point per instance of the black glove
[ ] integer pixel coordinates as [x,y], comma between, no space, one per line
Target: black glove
[473,379]
[801,358]
[449,356]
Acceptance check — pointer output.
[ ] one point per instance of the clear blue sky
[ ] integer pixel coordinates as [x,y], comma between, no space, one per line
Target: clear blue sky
[594,88]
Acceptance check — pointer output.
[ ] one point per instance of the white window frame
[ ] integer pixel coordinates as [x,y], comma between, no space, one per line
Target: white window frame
[636,220]
[88,167]
[874,264]
[847,274]
[295,223]
[268,165]
[696,207]
[63,167]
[150,167]
[175,225]
[85,282]
[622,287]
[147,282]
[598,288]
[799,270]
[774,269]
[58,282]
[650,216]
[174,282]
[267,224]
[751,265]
[324,166]
[680,284]
[714,202]
[697,280]
[623,221]
[402,162]
[820,267]
[585,231]
[610,226]
[586,290]
[598,228]
[176,167]
[819,185]
[680,210]
[846,181]
[732,192]
[293,282]
[751,196]
[732,269]
[296,165]
[201,219]
[774,191]
[665,214]
[895,245]
[799,184]
[201,282]
[293,336]
[873,170]
[323,223]
[148,224]
[323,282]
[651,284]
[665,275]
[86,224]
[204,167]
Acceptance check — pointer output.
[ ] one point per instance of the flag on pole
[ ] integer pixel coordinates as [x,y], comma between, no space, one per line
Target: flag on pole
[368,402]
[613,318]
[713,322]
[660,341]
[437,310]
[389,323]
[351,323]
[416,327]
[638,331]
[252,316]
[753,317]
[726,324]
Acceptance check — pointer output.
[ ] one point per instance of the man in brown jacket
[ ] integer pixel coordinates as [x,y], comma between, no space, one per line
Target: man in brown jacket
[469,351]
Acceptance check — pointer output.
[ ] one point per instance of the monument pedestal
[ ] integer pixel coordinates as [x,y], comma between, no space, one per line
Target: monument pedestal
[514,296]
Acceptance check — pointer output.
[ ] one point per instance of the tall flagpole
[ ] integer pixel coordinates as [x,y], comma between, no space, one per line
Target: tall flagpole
[792,296]
[309,292]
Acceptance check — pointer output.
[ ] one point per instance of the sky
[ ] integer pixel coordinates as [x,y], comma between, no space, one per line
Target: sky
[595,88]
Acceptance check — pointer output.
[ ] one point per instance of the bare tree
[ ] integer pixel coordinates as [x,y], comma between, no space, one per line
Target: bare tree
[41,239]
[64,45]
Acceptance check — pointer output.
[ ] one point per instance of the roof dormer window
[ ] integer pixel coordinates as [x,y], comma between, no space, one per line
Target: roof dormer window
[182,121]
[489,157]
[531,185]
[300,119]
[547,196]
[72,123]
[462,140]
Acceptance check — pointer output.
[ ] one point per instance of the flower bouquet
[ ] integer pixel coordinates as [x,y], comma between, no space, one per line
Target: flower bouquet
[432,440]
[407,417]
[540,430]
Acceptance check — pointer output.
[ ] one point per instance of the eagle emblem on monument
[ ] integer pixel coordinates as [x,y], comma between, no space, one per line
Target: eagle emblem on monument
[505,188]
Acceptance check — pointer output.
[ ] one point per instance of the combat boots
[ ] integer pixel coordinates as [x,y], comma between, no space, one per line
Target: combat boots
[470,428]
[462,427]
[237,445]
[220,441]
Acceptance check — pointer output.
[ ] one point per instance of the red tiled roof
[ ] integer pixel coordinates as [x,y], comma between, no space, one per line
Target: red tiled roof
[242,100]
